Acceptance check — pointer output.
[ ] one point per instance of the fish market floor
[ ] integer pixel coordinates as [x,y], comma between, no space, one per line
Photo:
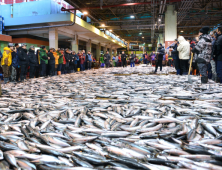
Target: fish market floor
[115,118]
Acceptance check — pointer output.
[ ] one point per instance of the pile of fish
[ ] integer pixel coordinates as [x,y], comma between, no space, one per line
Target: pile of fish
[99,120]
[142,69]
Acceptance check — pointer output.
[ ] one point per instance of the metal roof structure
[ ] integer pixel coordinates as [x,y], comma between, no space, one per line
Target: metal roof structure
[134,19]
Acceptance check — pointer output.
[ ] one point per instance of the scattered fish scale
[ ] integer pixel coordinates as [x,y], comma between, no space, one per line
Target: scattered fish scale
[111,119]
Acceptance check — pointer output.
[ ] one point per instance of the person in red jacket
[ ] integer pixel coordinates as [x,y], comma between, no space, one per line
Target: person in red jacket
[82,59]
[120,61]
[64,63]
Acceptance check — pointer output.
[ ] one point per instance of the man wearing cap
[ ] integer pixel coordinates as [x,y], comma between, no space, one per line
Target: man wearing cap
[160,53]
[217,51]
[43,60]
[33,62]
[203,49]
[6,61]
[23,61]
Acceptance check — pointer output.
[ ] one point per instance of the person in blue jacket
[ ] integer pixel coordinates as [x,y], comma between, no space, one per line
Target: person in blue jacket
[89,60]
[15,63]
[176,59]
[76,59]
[0,55]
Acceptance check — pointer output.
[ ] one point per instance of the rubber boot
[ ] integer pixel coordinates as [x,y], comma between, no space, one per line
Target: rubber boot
[195,72]
[204,80]
[178,72]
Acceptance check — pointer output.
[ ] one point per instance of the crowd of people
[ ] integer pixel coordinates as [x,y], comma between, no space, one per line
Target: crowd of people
[206,51]
[17,61]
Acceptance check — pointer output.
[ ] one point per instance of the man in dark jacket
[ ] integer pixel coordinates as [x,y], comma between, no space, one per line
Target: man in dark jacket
[203,49]
[123,59]
[107,59]
[51,62]
[218,54]
[132,59]
[72,61]
[67,57]
[89,60]
[159,58]
[15,63]
[175,55]
[23,61]
[33,62]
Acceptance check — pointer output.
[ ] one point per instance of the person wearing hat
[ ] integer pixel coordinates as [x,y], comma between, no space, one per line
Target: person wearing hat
[159,57]
[33,62]
[217,52]
[203,49]
[6,62]
[23,61]
[43,60]
[184,55]
[51,62]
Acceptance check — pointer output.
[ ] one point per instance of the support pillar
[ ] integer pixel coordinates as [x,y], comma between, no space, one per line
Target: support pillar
[53,38]
[98,51]
[75,44]
[170,25]
[128,47]
[88,46]
[160,39]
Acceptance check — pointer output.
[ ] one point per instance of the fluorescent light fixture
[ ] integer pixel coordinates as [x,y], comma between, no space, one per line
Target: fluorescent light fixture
[142,37]
[140,32]
[132,16]
[85,13]
[103,25]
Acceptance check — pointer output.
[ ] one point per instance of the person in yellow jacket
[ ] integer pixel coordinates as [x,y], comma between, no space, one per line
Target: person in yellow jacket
[6,61]
[56,60]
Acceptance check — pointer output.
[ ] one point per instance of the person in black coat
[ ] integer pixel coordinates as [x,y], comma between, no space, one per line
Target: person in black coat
[132,59]
[107,59]
[33,62]
[23,61]
[123,59]
[67,57]
[175,55]
[217,52]
[159,58]
[72,61]
[51,62]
